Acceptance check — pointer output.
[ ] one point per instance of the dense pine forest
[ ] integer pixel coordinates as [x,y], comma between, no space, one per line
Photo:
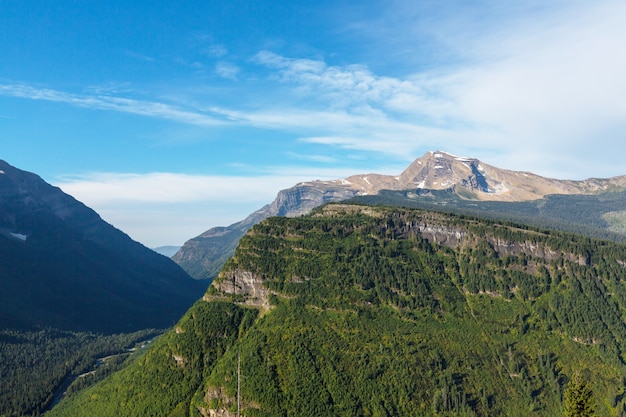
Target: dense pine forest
[38,366]
[374,311]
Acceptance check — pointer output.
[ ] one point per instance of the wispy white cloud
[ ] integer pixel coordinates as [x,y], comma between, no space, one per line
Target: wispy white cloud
[227,70]
[349,86]
[110,88]
[216,50]
[314,158]
[139,56]
[536,89]
[108,102]
[167,208]
[169,187]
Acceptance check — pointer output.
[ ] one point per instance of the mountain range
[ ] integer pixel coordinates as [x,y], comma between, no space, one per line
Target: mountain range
[480,313]
[357,310]
[62,266]
[464,179]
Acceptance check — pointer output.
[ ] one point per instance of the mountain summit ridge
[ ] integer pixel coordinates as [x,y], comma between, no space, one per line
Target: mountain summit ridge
[469,178]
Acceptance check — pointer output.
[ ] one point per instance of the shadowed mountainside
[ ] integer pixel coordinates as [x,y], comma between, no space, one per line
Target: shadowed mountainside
[62,266]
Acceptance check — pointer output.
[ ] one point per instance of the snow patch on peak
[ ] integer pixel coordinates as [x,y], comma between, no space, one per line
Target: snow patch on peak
[366,180]
[442,154]
[500,188]
[19,236]
[345,182]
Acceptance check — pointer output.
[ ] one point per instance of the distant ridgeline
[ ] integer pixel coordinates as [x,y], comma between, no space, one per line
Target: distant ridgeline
[601,215]
[374,311]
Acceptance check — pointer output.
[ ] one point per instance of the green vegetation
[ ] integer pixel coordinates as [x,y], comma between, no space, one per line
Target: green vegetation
[616,221]
[389,312]
[162,381]
[579,400]
[35,366]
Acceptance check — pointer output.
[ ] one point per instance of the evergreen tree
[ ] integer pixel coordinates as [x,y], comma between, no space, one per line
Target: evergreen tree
[579,400]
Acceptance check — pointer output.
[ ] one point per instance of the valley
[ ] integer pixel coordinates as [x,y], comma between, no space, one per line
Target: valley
[74,288]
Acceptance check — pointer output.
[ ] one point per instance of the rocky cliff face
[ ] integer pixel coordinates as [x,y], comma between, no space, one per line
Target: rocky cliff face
[304,197]
[245,283]
[445,234]
[469,178]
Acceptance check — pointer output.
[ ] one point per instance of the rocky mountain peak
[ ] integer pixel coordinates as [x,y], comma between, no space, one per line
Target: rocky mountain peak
[440,170]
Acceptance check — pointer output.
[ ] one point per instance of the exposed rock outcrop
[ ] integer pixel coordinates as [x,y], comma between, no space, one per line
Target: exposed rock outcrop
[246,283]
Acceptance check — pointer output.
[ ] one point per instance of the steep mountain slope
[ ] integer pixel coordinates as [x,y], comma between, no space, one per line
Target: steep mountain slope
[373,311]
[62,266]
[468,178]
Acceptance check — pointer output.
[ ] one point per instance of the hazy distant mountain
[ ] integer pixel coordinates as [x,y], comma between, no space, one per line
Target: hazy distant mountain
[62,266]
[467,178]
[168,251]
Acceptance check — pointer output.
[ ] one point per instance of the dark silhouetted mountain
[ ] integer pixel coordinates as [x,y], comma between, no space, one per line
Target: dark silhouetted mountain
[62,266]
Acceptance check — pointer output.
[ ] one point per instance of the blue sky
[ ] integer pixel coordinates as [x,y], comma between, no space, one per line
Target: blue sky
[169,118]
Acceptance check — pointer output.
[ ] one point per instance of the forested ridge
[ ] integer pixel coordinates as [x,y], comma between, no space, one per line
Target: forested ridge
[379,311]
